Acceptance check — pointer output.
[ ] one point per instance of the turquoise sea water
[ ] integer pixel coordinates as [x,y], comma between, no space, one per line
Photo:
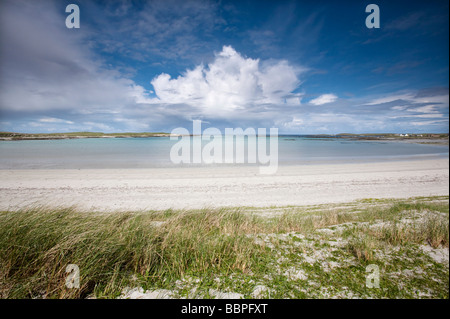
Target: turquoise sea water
[155,152]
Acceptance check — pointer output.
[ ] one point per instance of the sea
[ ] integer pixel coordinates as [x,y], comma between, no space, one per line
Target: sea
[153,152]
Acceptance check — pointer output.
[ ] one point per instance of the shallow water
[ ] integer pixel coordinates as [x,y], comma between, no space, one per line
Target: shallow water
[155,152]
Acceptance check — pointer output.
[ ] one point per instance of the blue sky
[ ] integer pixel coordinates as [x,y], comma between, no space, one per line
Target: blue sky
[304,67]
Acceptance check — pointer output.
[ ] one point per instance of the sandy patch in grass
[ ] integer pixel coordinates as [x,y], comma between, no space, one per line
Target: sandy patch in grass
[139,293]
[439,255]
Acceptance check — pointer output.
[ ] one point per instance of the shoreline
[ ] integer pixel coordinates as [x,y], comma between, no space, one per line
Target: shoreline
[437,139]
[200,187]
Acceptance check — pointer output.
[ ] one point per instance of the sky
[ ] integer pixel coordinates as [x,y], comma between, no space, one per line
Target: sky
[304,67]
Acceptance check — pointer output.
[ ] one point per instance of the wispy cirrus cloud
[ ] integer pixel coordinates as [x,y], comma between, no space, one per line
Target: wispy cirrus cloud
[45,68]
[324,99]
[150,31]
[390,98]
[54,120]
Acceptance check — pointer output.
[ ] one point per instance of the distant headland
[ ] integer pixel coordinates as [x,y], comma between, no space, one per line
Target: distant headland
[426,138]
[11,136]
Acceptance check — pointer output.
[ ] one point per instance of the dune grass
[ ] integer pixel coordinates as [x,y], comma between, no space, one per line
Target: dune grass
[159,248]
[37,245]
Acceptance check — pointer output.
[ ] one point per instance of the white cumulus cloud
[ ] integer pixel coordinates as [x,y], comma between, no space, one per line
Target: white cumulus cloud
[231,82]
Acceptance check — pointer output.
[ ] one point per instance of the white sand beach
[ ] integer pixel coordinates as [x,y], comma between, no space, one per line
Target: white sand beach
[179,188]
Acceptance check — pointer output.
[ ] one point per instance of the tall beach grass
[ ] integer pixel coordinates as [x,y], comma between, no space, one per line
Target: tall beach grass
[147,249]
